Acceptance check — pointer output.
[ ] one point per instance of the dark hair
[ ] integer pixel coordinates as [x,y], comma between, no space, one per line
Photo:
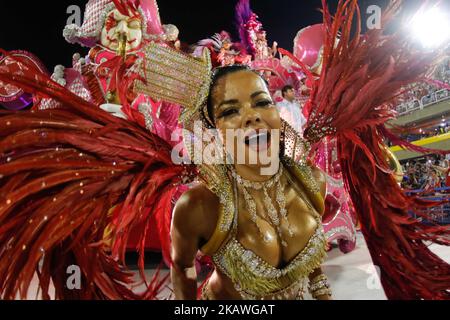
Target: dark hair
[218,74]
[286,89]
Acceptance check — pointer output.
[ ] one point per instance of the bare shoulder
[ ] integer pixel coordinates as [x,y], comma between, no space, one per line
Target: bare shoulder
[321,179]
[196,213]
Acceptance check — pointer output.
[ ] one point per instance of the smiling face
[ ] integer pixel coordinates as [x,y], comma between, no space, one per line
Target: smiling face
[117,24]
[241,104]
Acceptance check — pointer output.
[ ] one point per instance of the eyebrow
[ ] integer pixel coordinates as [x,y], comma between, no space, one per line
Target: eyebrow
[232,101]
[254,95]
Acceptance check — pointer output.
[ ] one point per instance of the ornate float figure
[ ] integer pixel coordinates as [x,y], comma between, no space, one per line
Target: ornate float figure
[226,56]
[262,49]
[224,52]
[254,39]
[253,36]
[116,31]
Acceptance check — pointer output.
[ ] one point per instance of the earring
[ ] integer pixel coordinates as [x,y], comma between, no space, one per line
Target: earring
[283,140]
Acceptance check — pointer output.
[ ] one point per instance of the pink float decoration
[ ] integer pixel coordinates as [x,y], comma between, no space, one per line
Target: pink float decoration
[279,74]
[339,219]
[11,97]
[151,12]
[308,45]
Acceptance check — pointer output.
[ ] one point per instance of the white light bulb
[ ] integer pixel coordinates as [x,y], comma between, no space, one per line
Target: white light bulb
[431,27]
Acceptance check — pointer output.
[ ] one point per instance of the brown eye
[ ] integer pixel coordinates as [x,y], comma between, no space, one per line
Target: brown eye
[264,103]
[228,112]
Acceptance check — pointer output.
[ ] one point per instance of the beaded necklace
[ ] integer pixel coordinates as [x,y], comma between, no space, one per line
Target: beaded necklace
[275,216]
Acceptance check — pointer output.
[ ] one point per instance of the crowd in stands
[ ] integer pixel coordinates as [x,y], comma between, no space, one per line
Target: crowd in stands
[427,174]
[423,135]
[425,93]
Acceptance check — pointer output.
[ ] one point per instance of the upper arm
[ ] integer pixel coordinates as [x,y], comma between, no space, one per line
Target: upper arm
[184,234]
[193,222]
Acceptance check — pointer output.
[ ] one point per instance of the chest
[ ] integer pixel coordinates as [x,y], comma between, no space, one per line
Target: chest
[262,237]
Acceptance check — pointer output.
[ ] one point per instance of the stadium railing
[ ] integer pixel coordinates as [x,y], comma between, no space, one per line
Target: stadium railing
[437,215]
[424,102]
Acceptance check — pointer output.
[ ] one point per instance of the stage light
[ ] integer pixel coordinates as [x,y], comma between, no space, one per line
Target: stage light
[431,27]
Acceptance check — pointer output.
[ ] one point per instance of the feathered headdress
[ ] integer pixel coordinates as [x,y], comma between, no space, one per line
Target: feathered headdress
[248,26]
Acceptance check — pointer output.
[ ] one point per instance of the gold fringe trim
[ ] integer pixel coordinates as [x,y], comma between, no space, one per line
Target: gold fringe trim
[249,275]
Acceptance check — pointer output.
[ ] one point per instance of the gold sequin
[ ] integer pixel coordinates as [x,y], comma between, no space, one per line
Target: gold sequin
[175,77]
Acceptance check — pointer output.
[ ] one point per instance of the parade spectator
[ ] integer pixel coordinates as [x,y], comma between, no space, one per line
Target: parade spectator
[290,109]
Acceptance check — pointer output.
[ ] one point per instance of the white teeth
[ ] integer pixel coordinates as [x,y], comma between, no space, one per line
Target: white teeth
[254,136]
[257,137]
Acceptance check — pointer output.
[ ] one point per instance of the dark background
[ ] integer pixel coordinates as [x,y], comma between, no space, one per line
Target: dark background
[36,26]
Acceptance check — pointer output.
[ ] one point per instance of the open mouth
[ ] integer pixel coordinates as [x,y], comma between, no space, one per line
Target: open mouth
[258,141]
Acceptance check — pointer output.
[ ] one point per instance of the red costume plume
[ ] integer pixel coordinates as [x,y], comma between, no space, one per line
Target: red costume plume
[352,100]
[68,178]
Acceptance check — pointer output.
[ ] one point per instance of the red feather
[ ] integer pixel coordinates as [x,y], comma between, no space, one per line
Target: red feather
[61,173]
[354,97]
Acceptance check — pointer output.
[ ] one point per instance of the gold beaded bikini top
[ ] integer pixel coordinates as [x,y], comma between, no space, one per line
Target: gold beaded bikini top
[252,276]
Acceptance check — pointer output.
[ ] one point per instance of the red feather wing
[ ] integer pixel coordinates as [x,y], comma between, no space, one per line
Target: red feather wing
[62,174]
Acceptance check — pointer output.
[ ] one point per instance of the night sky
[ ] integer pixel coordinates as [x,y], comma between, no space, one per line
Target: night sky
[36,26]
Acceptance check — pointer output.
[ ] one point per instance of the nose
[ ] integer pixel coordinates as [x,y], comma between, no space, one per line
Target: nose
[122,27]
[251,116]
